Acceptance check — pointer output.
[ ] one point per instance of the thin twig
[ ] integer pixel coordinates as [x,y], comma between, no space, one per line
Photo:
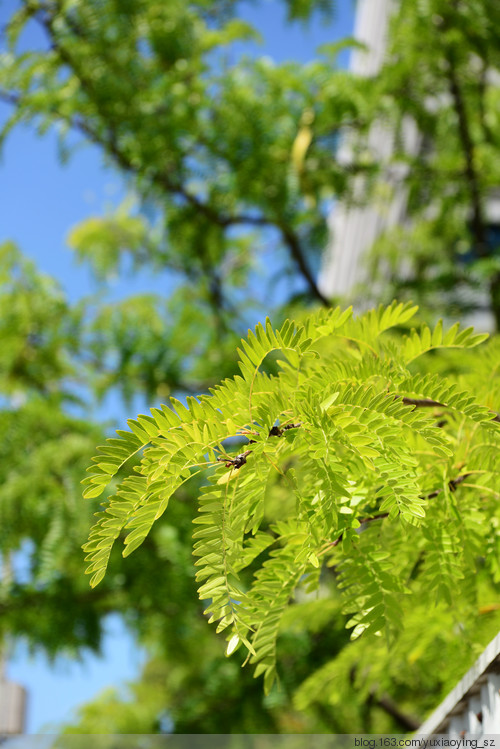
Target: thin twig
[428,403]
[452,484]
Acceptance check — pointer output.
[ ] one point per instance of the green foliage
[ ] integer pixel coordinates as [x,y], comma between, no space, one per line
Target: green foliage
[447,255]
[47,602]
[145,344]
[371,479]
[46,378]
[233,161]
[208,145]
[37,328]
[427,657]
[104,240]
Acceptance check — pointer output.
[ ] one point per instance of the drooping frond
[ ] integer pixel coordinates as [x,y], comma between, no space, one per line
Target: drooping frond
[418,343]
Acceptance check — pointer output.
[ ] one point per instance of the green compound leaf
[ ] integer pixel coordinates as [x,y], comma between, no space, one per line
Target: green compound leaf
[341,456]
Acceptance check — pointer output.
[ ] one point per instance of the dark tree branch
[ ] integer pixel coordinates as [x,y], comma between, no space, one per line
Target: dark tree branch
[292,242]
[478,224]
[406,721]
[472,176]
[422,403]
[362,521]
[428,403]
[452,484]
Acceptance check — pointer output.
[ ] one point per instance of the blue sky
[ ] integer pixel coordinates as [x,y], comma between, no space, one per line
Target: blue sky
[41,200]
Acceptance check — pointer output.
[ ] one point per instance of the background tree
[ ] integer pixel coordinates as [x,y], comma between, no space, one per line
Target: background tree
[442,73]
[233,162]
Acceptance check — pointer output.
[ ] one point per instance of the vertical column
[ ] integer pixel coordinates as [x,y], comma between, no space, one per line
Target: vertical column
[490,699]
[354,229]
[12,696]
[475,717]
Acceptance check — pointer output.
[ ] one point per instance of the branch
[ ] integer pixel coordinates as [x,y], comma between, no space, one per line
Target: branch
[478,222]
[452,484]
[422,403]
[362,521]
[428,403]
[387,705]
[163,181]
[292,242]
[405,721]
[478,225]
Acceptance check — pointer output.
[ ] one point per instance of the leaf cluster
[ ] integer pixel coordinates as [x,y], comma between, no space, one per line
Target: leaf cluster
[371,478]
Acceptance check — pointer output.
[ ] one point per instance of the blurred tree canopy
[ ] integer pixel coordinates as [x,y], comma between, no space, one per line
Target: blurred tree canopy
[232,161]
[442,73]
